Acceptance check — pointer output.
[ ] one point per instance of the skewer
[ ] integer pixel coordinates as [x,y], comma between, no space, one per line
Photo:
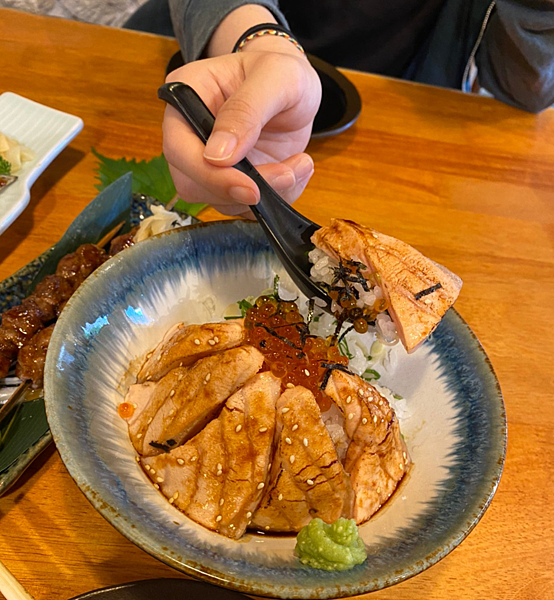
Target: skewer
[17,395]
[110,235]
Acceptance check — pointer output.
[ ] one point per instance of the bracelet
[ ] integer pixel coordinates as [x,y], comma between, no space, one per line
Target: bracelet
[265,29]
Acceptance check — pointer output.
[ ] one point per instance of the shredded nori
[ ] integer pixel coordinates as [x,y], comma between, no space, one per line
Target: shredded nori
[427,291]
[330,368]
[160,446]
[279,337]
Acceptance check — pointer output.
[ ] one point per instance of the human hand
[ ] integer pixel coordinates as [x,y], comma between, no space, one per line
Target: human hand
[264,103]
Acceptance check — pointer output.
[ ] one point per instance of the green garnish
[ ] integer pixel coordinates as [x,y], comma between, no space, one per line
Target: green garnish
[244,305]
[344,349]
[5,167]
[335,547]
[397,397]
[150,177]
[371,375]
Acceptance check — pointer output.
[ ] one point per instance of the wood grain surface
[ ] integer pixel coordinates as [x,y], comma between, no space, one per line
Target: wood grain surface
[467,180]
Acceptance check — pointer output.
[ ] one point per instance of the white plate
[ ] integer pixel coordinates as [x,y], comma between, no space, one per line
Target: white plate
[43,130]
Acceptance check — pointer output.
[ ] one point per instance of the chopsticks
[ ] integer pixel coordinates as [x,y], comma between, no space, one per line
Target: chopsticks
[10,588]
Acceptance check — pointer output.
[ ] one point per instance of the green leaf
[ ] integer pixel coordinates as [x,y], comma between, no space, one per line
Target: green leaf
[5,167]
[244,305]
[371,375]
[150,177]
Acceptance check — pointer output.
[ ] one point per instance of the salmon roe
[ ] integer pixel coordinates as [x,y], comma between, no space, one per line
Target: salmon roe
[125,410]
[279,332]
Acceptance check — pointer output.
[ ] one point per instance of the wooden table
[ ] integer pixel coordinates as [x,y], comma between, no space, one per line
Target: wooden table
[467,180]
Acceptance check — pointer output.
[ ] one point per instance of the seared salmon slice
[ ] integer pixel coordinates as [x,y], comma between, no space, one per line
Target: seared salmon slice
[147,398]
[184,344]
[419,291]
[218,477]
[377,457]
[198,396]
[307,479]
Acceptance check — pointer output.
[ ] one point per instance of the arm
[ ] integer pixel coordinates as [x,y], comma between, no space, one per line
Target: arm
[195,21]
[516,59]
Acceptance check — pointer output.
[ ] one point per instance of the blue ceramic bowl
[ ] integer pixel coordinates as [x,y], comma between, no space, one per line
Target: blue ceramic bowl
[456,433]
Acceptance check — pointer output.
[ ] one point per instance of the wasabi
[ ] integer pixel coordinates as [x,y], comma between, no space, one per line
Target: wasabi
[335,547]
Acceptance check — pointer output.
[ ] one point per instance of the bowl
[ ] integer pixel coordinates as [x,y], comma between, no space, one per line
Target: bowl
[456,431]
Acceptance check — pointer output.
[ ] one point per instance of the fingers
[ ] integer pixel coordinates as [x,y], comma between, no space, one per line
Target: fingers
[288,179]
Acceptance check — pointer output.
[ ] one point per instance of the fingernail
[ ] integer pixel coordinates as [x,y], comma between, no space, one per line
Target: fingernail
[243,194]
[304,168]
[284,181]
[220,146]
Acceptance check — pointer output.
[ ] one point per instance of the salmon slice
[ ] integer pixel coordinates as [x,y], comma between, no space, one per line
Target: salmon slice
[147,399]
[307,479]
[377,457]
[197,397]
[419,291]
[217,478]
[184,344]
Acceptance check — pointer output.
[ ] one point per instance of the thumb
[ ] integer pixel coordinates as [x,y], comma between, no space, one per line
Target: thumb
[240,120]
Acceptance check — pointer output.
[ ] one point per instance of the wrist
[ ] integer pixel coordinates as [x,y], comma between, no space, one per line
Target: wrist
[272,43]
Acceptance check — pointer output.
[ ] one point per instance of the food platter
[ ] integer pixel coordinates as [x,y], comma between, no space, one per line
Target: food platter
[456,432]
[45,132]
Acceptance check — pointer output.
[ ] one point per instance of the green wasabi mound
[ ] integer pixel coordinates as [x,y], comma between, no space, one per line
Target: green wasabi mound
[335,547]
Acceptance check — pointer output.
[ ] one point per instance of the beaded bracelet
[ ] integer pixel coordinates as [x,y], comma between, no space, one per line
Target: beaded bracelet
[265,29]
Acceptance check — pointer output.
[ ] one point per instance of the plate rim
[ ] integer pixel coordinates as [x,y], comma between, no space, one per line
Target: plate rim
[223,579]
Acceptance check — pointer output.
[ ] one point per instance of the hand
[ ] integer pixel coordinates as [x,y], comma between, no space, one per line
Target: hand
[264,103]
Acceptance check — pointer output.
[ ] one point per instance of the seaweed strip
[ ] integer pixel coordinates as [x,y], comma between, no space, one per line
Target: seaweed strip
[427,291]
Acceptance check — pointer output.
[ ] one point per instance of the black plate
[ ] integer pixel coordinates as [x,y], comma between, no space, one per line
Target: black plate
[166,589]
[340,103]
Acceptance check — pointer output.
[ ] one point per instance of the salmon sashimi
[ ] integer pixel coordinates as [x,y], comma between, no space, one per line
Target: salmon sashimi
[198,397]
[418,290]
[218,477]
[147,399]
[377,457]
[183,344]
[307,479]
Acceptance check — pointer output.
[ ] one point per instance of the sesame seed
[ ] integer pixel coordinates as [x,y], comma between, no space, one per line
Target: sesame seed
[222,502]
[134,405]
[147,467]
[350,416]
[171,412]
[285,410]
[139,435]
[205,506]
[348,399]
[404,455]
[380,402]
[288,440]
[375,419]
[267,527]
[248,514]
[280,497]
[137,458]
[156,486]
[216,339]
[180,461]
[171,501]
[160,479]
[218,518]
[193,459]
[219,467]
[197,342]
[180,376]
[290,385]
[152,471]
[260,485]
[149,378]
[295,427]
[231,526]
[306,372]
[175,495]
[180,364]
[238,428]
[149,354]
[305,442]
[149,421]
[262,429]
[378,490]
[211,342]
[310,482]
[172,393]
[361,392]
[219,473]
[292,459]
[208,377]
[401,465]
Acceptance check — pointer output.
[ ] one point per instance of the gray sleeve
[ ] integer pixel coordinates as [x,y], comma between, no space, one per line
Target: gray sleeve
[194,21]
[516,59]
